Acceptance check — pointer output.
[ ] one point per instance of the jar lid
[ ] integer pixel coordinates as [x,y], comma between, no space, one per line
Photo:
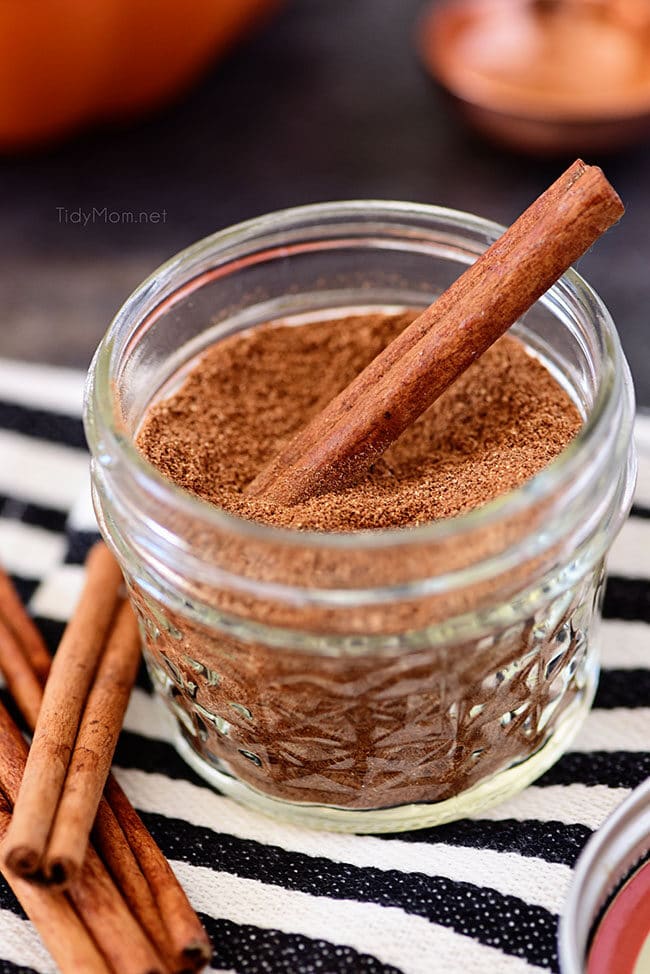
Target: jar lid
[606,914]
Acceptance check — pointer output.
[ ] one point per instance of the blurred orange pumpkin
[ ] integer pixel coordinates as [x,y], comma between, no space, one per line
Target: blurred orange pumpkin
[64,63]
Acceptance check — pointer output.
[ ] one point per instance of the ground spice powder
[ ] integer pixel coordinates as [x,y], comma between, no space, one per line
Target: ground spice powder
[501,422]
[414,723]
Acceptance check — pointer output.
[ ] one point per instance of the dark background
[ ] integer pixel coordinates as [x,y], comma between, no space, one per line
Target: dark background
[328,102]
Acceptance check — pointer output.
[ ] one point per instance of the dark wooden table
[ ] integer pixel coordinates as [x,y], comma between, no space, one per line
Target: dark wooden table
[328,103]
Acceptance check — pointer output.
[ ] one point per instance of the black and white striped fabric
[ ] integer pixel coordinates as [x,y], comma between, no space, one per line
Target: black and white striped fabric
[480,895]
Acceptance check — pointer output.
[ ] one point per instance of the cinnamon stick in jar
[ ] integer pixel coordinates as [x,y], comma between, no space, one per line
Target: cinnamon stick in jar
[339,444]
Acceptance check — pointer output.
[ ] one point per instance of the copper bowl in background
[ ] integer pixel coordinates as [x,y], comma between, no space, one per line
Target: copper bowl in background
[545,76]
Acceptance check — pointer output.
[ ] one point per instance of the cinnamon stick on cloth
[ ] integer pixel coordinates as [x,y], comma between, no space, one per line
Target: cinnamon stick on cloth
[51,912]
[110,840]
[189,941]
[166,917]
[120,939]
[16,667]
[23,628]
[94,748]
[73,669]
[339,444]
[22,681]
[113,846]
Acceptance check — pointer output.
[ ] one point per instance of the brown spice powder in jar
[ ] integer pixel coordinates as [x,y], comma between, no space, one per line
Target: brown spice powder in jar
[501,422]
[362,731]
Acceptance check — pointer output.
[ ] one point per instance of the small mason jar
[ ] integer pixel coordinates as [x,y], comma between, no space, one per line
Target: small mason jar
[364,681]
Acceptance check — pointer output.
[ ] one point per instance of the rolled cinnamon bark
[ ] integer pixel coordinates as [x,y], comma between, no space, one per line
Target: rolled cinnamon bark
[22,681]
[320,424]
[116,932]
[72,671]
[93,750]
[108,918]
[339,444]
[189,941]
[61,930]
[23,628]
[13,755]
[115,851]
[109,835]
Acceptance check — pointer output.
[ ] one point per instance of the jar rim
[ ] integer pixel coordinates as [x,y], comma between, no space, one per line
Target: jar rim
[619,845]
[99,402]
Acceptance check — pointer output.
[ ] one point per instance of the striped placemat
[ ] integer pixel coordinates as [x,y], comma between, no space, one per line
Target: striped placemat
[480,895]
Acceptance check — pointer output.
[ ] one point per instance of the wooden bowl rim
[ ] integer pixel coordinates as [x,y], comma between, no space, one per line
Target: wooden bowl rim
[507,99]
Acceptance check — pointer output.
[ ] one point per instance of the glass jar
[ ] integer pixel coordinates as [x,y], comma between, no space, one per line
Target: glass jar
[369,681]
[608,861]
